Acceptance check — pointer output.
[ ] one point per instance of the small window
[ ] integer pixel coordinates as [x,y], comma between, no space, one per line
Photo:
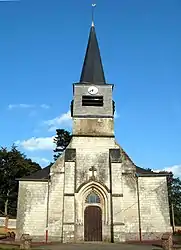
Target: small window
[92,198]
[96,101]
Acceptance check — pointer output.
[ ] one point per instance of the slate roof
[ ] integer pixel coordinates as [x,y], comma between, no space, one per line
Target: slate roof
[42,174]
[142,171]
[92,71]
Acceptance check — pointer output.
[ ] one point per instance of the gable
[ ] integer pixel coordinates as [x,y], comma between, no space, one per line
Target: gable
[43,174]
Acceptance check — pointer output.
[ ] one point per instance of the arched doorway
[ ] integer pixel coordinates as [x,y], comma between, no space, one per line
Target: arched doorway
[93,223]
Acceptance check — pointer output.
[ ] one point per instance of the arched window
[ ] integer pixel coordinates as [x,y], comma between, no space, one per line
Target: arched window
[92,198]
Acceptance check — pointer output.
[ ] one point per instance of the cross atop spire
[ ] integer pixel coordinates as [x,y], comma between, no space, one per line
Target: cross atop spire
[92,71]
[93,8]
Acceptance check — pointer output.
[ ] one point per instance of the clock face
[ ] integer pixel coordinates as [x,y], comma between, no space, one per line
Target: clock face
[92,90]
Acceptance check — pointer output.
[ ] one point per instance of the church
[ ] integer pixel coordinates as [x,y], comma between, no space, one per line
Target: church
[94,191]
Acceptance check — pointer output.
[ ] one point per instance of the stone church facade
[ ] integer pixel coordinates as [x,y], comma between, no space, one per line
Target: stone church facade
[93,192]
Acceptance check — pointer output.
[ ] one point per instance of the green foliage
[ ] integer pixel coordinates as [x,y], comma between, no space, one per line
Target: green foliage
[174,191]
[13,165]
[62,140]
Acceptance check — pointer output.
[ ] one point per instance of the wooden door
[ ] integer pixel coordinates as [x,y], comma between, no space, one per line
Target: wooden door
[93,223]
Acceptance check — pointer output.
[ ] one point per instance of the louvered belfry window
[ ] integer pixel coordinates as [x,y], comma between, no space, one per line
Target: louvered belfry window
[96,101]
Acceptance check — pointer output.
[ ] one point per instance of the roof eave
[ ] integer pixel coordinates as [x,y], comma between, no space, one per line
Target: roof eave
[151,174]
[26,179]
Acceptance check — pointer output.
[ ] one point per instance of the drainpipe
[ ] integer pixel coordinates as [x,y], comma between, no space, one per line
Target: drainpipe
[47,215]
[111,203]
[139,213]
[173,218]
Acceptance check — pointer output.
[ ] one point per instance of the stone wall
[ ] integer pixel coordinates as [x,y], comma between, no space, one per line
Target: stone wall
[130,207]
[154,208]
[70,183]
[56,201]
[92,151]
[93,127]
[105,90]
[32,208]
[10,223]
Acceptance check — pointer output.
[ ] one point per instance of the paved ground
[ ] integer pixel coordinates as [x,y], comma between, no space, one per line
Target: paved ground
[99,246]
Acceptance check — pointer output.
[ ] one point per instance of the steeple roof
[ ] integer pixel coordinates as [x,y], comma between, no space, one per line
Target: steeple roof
[92,71]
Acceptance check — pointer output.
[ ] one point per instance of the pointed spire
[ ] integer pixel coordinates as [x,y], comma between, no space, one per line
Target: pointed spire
[92,71]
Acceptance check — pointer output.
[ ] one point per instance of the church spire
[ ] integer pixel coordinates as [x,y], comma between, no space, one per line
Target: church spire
[92,71]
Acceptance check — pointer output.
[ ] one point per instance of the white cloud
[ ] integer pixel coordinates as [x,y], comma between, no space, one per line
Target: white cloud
[25,106]
[39,143]
[22,105]
[64,119]
[46,143]
[42,161]
[175,169]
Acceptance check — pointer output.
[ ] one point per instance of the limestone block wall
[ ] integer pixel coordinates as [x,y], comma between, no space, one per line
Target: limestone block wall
[92,151]
[117,202]
[92,126]
[56,198]
[117,185]
[69,203]
[69,177]
[130,207]
[154,207]
[104,90]
[32,208]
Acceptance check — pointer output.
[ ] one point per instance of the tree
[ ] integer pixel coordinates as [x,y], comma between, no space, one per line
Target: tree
[13,165]
[62,140]
[174,194]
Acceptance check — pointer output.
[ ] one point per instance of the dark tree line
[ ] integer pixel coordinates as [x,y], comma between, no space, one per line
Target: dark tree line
[62,140]
[174,195]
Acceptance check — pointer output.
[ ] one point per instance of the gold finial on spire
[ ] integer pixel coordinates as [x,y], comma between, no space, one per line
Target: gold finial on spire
[93,8]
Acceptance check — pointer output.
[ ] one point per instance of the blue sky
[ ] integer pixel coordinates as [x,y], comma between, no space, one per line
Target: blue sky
[42,47]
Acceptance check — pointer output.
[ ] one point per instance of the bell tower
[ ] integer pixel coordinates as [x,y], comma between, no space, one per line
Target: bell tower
[92,108]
